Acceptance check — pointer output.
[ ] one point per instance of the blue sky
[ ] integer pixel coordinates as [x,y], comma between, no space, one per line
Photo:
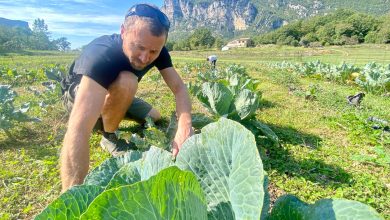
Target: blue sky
[80,21]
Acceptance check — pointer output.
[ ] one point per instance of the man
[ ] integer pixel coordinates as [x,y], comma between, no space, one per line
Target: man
[213,60]
[105,78]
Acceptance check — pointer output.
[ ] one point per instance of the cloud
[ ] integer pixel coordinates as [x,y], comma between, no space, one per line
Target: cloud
[63,21]
[78,20]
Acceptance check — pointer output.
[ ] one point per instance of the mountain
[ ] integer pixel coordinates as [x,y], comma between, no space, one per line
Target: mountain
[13,23]
[232,18]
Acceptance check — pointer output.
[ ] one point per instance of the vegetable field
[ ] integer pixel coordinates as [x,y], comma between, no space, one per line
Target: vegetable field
[308,140]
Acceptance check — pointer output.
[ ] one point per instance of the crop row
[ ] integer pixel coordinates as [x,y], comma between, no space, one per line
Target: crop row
[373,78]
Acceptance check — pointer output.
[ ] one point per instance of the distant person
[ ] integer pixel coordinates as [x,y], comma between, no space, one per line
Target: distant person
[102,83]
[213,60]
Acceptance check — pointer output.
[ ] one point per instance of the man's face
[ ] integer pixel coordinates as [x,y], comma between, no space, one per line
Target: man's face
[140,46]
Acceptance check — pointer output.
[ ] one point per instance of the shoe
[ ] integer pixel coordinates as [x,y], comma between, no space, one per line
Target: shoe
[116,147]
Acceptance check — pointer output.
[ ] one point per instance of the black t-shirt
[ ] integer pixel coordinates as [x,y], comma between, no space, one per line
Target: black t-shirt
[103,59]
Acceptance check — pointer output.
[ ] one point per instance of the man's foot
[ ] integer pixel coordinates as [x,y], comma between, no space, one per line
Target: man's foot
[116,147]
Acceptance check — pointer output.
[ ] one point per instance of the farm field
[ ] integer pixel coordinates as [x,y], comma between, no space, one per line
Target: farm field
[327,147]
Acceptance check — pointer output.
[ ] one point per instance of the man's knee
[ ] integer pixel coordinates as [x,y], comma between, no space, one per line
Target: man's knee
[124,83]
[154,114]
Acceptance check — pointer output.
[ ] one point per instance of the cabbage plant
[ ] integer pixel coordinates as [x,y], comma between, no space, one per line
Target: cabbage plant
[232,94]
[10,114]
[375,78]
[218,174]
[229,172]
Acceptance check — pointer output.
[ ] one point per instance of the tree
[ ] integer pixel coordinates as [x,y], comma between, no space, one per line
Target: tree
[182,45]
[201,38]
[62,44]
[40,39]
[169,45]
[219,42]
[39,26]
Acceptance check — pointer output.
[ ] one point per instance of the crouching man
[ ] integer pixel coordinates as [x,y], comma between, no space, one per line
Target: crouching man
[102,84]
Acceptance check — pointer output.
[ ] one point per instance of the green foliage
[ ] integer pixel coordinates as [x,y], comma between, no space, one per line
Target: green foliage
[13,39]
[169,45]
[62,44]
[380,157]
[9,113]
[219,42]
[182,45]
[232,94]
[201,38]
[152,136]
[218,174]
[373,78]
[341,27]
[290,207]
[222,178]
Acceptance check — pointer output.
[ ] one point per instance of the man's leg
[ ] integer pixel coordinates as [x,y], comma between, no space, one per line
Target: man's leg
[154,114]
[140,109]
[120,96]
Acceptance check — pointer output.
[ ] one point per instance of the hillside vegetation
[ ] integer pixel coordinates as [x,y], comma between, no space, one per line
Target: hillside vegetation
[339,28]
[16,38]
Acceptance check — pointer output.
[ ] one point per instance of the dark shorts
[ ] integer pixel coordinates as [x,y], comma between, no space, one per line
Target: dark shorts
[137,111]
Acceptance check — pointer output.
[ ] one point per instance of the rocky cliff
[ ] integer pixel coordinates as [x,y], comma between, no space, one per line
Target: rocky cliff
[13,23]
[239,17]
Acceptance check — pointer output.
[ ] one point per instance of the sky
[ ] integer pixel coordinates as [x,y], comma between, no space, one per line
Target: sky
[80,21]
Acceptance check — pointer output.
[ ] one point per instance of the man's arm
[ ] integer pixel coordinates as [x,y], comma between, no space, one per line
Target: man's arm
[183,107]
[75,151]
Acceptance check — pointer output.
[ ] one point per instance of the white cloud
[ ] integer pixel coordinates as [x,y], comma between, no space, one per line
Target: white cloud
[53,16]
[78,20]
[60,21]
[84,31]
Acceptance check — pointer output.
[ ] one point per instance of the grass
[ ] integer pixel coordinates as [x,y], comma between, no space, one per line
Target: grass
[358,55]
[320,138]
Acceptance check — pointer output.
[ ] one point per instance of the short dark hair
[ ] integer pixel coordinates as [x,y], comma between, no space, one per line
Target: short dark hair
[156,27]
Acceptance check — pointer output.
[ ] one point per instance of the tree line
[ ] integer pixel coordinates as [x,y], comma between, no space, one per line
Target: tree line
[342,27]
[13,39]
[201,38]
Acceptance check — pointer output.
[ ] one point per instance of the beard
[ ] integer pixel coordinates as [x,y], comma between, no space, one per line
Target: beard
[137,65]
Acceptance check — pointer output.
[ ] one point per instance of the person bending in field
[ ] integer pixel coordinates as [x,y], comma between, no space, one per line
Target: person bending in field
[101,86]
[213,60]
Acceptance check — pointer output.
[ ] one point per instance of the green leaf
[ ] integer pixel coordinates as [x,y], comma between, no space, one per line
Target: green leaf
[246,104]
[172,127]
[265,130]
[155,137]
[71,204]
[102,174]
[151,163]
[200,120]
[290,207]
[126,175]
[226,162]
[218,96]
[171,194]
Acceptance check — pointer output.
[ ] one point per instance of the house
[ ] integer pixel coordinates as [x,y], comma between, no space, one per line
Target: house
[241,42]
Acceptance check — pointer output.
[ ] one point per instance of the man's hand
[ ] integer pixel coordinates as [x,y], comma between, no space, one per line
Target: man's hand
[181,136]
[183,107]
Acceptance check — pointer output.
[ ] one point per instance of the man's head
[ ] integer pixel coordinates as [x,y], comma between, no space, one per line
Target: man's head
[144,33]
